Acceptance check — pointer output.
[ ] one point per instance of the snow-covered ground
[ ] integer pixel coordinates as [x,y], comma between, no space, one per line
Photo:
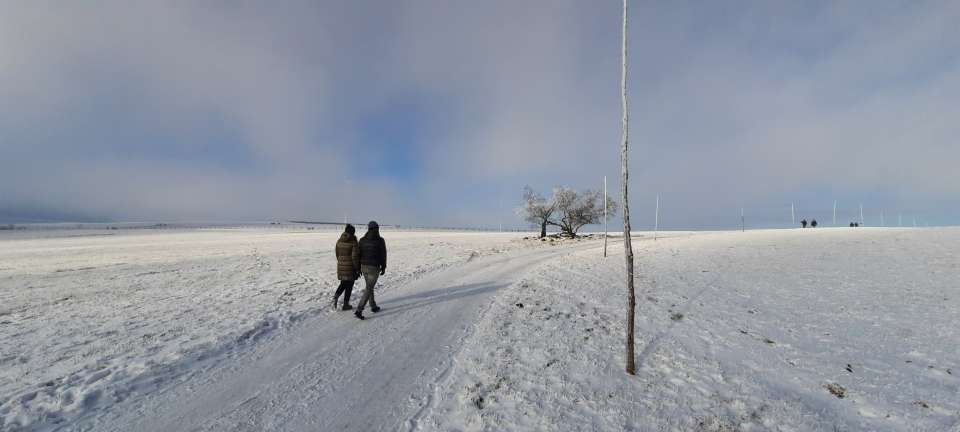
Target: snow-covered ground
[792,330]
[827,329]
[89,319]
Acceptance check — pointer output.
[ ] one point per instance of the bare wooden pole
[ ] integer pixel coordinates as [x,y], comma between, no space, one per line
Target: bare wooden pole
[624,182]
[604,216]
[834,212]
[656,219]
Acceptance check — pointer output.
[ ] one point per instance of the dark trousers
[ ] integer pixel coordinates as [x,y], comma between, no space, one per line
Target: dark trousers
[345,288]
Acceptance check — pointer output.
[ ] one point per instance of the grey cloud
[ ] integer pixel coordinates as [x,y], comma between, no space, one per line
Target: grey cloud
[177,66]
[750,104]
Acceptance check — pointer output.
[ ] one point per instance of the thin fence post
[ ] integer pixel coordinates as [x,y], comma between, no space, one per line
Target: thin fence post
[834,212]
[604,216]
[656,220]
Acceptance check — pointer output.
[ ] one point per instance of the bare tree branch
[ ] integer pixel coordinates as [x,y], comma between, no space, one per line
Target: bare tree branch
[567,209]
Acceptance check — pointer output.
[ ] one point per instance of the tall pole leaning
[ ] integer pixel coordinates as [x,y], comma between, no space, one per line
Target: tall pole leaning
[624,182]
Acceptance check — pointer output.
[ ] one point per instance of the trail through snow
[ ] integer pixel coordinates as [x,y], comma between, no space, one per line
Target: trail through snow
[778,330]
[338,374]
[775,330]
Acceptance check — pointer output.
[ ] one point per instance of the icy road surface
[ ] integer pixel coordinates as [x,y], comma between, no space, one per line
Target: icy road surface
[342,374]
[233,330]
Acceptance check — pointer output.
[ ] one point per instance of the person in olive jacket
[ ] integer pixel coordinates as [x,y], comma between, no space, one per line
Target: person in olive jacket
[373,264]
[348,265]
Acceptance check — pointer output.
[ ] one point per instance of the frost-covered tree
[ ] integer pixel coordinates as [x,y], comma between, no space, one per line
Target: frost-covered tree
[537,210]
[567,209]
[576,209]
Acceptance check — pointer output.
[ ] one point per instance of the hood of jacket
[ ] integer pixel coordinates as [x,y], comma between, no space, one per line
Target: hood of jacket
[372,234]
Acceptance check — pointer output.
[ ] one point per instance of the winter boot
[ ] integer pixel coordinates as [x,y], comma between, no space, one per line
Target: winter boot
[375,309]
[335,300]
[358,314]
[346,307]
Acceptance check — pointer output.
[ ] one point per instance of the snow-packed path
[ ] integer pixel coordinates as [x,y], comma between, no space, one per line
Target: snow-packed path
[830,329]
[336,372]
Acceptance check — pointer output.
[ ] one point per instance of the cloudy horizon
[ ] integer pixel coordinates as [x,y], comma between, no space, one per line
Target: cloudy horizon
[439,112]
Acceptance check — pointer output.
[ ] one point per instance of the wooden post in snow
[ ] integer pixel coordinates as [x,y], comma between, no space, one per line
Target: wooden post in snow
[499,214]
[604,216]
[656,220]
[834,212]
[631,366]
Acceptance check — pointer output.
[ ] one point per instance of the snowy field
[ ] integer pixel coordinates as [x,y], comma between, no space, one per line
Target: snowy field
[792,330]
[796,330]
[89,319]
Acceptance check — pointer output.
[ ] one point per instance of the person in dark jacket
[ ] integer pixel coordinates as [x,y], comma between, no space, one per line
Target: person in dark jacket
[803,223]
[373,264]
[348,265]
[813,223]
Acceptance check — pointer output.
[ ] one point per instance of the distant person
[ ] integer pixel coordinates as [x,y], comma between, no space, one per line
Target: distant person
[348,265]
[851,224]
[813,223]
[856,224]
[803,223]
[373,264]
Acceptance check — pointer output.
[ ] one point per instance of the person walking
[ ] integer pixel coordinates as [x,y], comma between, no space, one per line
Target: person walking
[348,265]
[803,223]
[373,264]
[813,223]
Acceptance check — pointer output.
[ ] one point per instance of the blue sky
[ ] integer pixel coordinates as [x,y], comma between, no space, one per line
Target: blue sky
[439,112]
